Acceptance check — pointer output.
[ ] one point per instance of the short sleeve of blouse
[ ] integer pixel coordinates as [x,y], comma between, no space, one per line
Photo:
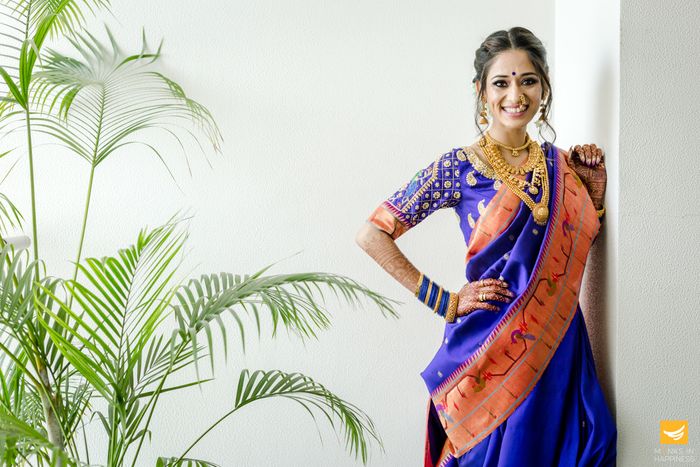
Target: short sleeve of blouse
[431,188]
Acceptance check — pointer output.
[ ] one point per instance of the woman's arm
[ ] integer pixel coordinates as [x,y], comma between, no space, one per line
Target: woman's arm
[382,248]
[588,163]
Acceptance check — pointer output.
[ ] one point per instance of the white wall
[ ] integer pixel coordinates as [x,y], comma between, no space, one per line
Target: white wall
[658,373]
[326,108]
[586,96]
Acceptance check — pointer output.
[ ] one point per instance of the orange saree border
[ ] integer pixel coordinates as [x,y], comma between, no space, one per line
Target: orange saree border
[383,218]
[477,397]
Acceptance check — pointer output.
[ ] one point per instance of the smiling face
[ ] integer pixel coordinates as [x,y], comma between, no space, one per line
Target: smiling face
[511,75]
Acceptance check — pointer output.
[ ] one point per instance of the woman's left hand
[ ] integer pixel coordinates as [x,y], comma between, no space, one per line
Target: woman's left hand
[588,163]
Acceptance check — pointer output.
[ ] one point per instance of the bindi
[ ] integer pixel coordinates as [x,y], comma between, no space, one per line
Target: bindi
[513,73]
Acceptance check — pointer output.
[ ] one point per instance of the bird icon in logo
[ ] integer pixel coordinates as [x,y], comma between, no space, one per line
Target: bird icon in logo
[672,433]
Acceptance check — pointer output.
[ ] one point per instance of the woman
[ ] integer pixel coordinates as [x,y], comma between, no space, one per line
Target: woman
[514,382]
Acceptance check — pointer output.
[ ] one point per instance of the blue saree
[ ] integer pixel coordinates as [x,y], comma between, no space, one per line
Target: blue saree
[518,387]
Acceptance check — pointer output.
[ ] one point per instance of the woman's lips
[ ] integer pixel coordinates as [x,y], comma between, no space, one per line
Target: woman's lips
[515,115]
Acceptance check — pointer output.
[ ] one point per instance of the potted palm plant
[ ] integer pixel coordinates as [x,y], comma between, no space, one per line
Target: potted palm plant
[121,326]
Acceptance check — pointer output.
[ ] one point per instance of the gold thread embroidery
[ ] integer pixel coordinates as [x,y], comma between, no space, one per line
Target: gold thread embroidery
[479,165]
[425,186]
[471,179]
[471,220]
[481,206]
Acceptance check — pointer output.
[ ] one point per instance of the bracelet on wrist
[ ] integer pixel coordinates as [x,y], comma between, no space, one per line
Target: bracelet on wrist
[434,296]
[452,308]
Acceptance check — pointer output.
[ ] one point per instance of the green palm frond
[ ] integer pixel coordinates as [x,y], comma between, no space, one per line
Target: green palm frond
[119,307]
[186,462]
[123,301]
[357,426]
[10,216]
[290,299]
[70,15]
[24,26]
[162,359]
[16,396]
[13,427]
[16,288]
[105,98]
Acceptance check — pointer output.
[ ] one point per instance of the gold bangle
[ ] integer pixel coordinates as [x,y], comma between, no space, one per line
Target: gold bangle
[427,293]
[420,281]
[437,300]
[600,212]
[452,307]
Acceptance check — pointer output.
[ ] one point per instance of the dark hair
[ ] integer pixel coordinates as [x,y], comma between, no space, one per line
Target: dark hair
[516,38]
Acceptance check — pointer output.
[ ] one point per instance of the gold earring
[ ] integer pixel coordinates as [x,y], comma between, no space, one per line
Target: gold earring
[484,116]
[543,118]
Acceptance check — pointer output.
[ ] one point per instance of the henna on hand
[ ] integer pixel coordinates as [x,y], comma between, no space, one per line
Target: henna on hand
[471,294]
[589,164]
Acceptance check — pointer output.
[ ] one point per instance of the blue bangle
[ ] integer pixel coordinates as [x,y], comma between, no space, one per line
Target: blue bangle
[434,296]
[444,302]
[423,290]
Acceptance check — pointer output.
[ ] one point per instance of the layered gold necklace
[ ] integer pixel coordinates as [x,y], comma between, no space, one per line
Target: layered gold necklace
[507,173]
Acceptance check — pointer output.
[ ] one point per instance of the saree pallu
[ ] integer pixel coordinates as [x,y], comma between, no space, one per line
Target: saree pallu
[519,387]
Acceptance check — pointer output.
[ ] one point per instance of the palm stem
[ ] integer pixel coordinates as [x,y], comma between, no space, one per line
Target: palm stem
[35,240]
[82,231]
[53,426]
[230,412]
[89,191]
[154,399]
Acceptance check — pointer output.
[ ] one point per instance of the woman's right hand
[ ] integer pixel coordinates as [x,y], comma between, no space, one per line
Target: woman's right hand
[473,295]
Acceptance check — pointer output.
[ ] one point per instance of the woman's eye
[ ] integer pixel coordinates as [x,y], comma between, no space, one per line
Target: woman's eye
[528,81]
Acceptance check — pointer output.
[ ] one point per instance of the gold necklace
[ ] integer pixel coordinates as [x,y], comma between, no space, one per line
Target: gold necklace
[504,169]
[540,211]
[514,150]
[529,165]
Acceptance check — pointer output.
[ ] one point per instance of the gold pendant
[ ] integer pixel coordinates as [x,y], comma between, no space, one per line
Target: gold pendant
[533,189]
[540,213]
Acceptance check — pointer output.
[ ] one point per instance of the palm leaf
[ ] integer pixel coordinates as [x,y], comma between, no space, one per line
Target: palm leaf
[105,98]
[24,26]
[16,288]
[10,216]
[290,299]
[186,462]
[122,302]
[13,427]
[357,427]
[108,334]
